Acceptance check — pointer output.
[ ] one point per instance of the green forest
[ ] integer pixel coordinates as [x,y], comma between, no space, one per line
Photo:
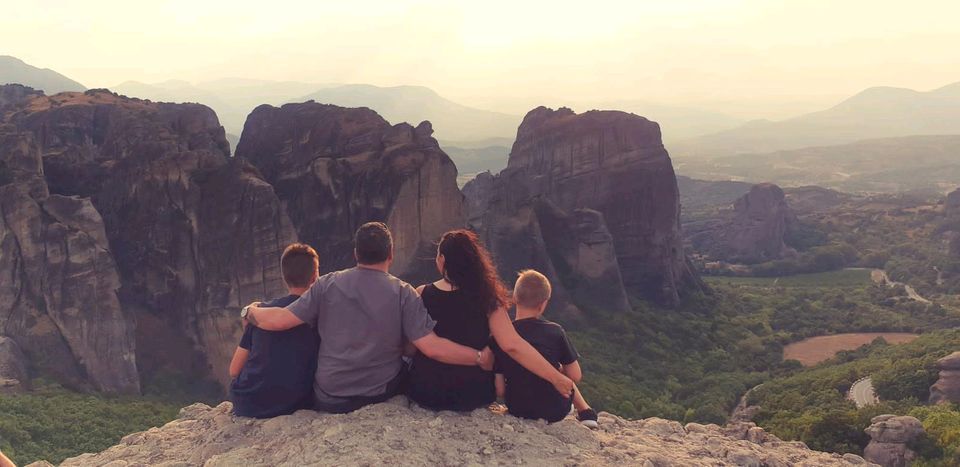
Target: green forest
[810,405]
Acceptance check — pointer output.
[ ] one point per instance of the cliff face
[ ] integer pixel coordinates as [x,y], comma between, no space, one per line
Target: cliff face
[613,164]
[187,236]
[395,433]
[335,168]
[755,230]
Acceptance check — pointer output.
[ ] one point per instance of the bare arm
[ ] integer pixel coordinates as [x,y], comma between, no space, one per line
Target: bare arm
[524,353]
[5,461]
[239,359]
[273,319]
[573,371]
[446,351]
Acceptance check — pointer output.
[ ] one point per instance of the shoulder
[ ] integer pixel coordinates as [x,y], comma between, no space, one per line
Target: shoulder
[550,326]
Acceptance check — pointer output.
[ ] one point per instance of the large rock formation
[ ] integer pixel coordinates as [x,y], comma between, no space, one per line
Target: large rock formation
[393,434]
[953,204]
[889,436]
[947,387]
[335,168]
[193,235]
[755,231]
[59,300]
[612,164]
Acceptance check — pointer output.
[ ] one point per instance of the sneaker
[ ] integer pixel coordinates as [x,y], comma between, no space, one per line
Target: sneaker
[588,418]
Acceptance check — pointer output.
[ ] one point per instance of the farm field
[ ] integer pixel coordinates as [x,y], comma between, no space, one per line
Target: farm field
[814,350]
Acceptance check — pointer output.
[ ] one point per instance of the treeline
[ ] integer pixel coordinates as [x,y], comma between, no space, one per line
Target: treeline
[692,363]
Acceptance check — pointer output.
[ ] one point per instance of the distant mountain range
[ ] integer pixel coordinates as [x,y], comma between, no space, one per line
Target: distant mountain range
[14,70]
[909,163]
[874,113]
[234,99]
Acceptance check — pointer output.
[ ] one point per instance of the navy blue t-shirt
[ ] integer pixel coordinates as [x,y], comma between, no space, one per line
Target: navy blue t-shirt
[277,378]
[528,395]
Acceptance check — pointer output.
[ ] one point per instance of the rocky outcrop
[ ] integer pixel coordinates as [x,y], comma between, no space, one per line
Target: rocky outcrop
[953,204]
[193,234]
[60,301]
[889,436]
[755,230]
[947,387]
[610,163]
[335,168]
[13,367]
[394,434]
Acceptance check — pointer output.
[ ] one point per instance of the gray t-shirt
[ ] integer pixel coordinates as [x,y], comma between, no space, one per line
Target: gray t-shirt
[364,317]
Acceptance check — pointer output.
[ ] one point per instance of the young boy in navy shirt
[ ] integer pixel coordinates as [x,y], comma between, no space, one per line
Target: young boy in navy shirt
[526,394]
[273,371]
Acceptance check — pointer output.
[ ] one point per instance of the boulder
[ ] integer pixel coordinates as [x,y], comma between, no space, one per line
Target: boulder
[396,433]
[611,163]
[188,235]
[335,168]
[889,436]
[947,387]
[13,367]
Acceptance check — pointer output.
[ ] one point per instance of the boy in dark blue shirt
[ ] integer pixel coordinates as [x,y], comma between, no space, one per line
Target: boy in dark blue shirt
[273,371]
[526,394]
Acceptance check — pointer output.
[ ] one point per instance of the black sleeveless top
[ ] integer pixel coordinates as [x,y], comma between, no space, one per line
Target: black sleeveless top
[440,386]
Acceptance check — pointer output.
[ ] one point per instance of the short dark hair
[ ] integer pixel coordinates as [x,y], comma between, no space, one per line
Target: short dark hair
[298,264]
[373,243]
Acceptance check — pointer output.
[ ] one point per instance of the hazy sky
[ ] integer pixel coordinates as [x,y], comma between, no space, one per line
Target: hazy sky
[753,57]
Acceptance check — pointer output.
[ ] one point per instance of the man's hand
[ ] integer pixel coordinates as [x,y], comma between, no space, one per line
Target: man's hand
[563,385]
[486,359]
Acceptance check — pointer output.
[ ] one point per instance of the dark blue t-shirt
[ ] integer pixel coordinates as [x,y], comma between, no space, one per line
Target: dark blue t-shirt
[277,378]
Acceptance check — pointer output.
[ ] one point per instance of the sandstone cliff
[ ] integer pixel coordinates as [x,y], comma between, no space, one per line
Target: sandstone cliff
[335,168]
[394,434]
[187,235]
[754,231]
[613,165]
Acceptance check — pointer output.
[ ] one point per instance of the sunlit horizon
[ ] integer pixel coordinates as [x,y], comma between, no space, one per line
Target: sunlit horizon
[749,58]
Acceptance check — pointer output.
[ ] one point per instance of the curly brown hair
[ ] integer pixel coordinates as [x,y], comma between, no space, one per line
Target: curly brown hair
[469,267]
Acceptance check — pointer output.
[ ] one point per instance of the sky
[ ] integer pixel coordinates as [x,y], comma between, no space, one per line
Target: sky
[751,58]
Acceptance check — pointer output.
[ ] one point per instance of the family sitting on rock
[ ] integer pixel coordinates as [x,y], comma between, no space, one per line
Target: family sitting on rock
[360,336]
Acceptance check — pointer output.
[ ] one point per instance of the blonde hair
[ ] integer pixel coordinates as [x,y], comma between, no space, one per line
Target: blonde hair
[532,289]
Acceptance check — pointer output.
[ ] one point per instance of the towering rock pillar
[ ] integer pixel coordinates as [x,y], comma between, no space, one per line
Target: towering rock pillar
[336,168]
[614,166]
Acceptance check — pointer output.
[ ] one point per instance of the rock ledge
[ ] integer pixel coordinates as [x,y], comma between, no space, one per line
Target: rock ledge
[394,433]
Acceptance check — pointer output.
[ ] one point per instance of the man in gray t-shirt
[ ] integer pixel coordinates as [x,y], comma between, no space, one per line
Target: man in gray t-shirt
[364,316]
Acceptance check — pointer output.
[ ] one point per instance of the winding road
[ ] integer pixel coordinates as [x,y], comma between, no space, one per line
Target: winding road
[880,276]
[861,393]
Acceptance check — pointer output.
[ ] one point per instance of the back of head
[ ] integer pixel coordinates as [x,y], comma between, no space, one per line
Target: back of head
[468,266]
[373,243]
[532,289]
[299,265]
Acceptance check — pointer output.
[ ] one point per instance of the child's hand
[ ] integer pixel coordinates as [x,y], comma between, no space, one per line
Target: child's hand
[563,385]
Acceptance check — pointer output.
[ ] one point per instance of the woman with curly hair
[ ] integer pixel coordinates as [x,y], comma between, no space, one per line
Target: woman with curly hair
[469,304]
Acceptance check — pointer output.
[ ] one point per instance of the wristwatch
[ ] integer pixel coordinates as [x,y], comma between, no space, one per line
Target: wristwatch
[244,312]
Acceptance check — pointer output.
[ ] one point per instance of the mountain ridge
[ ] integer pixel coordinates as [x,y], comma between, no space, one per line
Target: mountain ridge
[15,71]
